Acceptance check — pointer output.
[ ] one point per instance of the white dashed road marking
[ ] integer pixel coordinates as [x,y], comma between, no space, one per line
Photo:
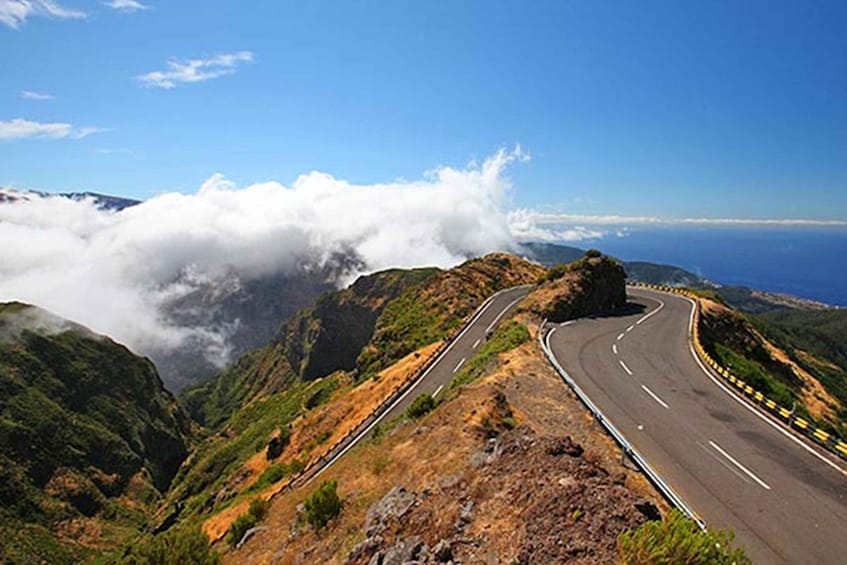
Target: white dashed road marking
[747,471]
[656,398]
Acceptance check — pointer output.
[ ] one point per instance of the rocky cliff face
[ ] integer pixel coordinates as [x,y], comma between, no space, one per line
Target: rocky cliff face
[330,335]
[87,428]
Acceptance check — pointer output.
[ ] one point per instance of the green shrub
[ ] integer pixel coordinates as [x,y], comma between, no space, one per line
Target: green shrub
[257,510]
[323,504]
[271,475]
[181,545]
[555,272]
[508,423]
[420,406]
[676,539]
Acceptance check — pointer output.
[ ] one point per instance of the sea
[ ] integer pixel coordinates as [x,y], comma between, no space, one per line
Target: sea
[809,262]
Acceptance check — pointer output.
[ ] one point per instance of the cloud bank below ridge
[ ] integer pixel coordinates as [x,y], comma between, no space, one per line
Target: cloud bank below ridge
[114,271]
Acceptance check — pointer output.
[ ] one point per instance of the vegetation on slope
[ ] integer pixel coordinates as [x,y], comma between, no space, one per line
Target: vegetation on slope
[429,311]
[88,438]
[787,364]
[676,539]
[361,329]
[350,335]
[316,341]
[507,337]
[817,341]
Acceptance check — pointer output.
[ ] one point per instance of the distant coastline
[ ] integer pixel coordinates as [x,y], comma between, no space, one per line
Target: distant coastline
[805,262]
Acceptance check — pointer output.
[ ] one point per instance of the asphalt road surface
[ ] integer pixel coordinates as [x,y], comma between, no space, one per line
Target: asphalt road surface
[736,467]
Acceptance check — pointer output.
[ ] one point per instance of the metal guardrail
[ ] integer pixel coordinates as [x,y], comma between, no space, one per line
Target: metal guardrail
[653,476]
[819,436]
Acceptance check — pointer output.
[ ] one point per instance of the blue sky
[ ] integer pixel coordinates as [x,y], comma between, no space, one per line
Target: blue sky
[672,109]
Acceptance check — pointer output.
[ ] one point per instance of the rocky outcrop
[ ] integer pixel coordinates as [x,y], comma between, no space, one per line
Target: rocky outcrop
[570,508]
[593,285]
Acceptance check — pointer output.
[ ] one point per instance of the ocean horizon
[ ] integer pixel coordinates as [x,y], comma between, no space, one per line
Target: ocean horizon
[808,262]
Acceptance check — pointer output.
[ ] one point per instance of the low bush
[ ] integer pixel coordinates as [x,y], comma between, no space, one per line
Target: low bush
[257,510]
[508,336]
[179,545]
[676,539]
[420,406]
[271,475]
[323,504]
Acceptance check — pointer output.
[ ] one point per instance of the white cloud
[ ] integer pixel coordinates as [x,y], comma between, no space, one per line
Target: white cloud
[127,5]
[542,219]
[525,226]
[113,271]
[15,12]
[19,128]
[195,70]
[30,95]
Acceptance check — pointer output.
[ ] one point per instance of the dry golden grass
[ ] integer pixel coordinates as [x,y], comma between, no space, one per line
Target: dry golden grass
[813,395]
[347,408]
[431,452]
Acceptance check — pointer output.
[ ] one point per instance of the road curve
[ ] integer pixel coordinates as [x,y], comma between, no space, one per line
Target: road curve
[736,467]
[439,374]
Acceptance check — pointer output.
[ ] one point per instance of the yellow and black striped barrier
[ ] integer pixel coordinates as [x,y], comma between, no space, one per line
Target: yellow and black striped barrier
[820,436]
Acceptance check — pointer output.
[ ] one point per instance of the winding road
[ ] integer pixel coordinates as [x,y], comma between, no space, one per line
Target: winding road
[439,374]
[735,466]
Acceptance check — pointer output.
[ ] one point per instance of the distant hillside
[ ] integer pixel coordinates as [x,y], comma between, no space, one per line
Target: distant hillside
[103,201]
[550,254]
[752,301]
[89,438]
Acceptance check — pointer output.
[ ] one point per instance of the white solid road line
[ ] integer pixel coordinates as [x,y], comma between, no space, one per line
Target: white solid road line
[646,316]
[459,366]
[766,419]
[615,348]
[711,453]
[434,394]
[500,315]
[656,398]
[476,344]
[747,471]
[625,368]
[620,337]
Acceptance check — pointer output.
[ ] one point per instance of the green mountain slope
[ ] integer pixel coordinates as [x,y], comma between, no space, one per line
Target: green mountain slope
[88,438]
[316,341]
[361,329]
[329,349]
